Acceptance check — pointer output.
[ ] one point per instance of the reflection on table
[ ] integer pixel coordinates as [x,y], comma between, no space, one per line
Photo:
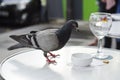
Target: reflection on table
[32,65]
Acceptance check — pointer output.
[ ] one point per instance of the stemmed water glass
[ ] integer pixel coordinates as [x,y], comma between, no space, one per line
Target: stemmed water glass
[100,24]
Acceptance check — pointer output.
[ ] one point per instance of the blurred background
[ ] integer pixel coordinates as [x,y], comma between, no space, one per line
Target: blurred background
[21,14]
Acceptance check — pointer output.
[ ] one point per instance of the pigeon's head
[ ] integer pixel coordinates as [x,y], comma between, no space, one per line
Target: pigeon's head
[74,24]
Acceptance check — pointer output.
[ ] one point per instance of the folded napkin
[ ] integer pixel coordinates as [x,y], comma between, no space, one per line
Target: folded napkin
[116,16]
[115,29]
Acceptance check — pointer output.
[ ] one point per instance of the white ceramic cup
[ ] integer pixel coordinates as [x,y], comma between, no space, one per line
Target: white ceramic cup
[81,59]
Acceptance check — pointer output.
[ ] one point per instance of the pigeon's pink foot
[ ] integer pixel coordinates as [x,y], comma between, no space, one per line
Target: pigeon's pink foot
[53,55]
[51,61]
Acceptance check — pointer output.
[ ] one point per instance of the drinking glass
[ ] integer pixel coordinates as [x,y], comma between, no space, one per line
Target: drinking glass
[100,24]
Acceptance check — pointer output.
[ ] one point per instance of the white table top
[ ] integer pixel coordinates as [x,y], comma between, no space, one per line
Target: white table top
[32,65]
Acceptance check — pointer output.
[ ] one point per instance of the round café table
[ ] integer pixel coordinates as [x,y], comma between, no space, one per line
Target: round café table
[31,65]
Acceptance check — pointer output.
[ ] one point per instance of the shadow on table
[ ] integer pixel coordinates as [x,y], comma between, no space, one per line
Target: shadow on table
[1,78]
[32,73]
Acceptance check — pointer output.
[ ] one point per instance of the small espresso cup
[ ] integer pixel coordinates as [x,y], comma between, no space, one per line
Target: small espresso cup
[81,59]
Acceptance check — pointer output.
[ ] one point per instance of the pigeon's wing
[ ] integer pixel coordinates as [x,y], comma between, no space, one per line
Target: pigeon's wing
[33,32]
[47,40]
[22,39]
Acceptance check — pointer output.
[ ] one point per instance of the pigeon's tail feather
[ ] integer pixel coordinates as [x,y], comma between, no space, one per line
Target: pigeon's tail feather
[16,46]
[16,37]
[22,39]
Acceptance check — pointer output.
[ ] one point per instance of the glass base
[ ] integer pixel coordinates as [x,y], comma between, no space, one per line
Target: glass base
[102,57]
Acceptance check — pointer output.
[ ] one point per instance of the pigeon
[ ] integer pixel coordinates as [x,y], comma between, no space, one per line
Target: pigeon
[46,40]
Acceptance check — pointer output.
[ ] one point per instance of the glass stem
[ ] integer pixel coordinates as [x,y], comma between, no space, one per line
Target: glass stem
[99,46]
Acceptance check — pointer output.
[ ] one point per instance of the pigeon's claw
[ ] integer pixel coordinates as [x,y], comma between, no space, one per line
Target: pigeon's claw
[51,61]
[53,55]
